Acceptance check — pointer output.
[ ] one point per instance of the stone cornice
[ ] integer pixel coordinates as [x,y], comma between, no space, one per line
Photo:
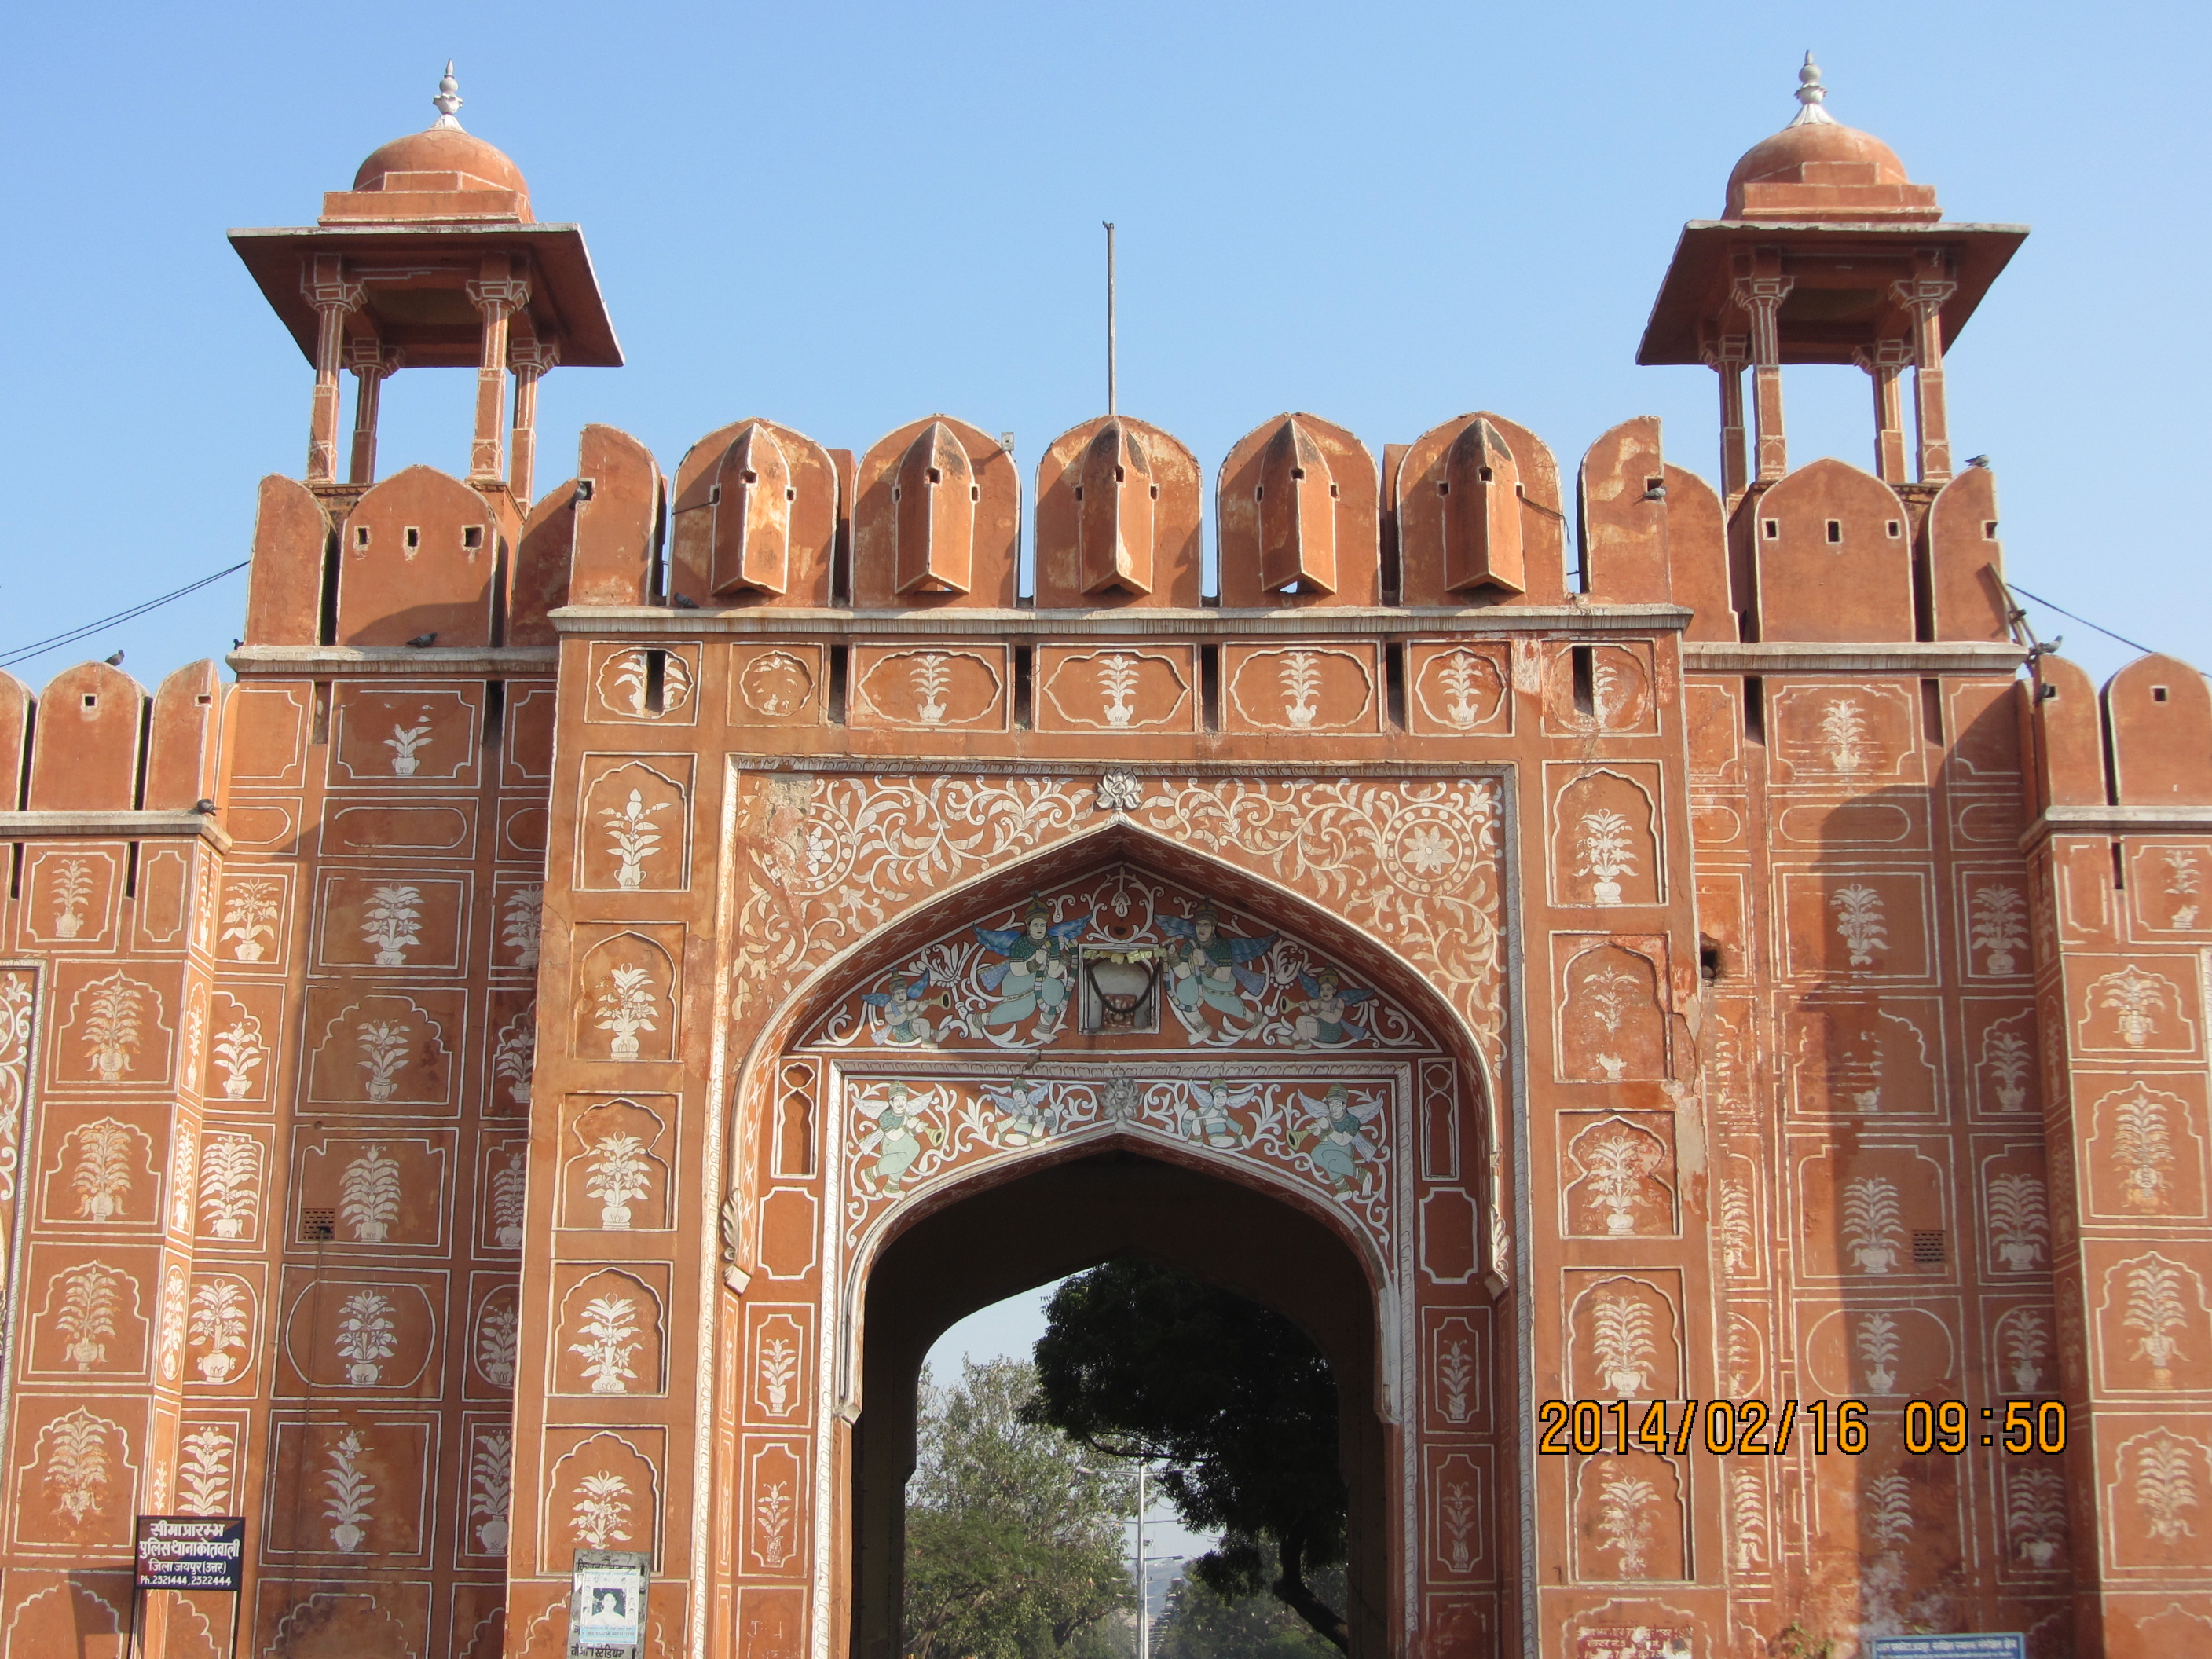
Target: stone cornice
[114,826]
[1316,622]
[2118,820]
[1899,657]
[489,662]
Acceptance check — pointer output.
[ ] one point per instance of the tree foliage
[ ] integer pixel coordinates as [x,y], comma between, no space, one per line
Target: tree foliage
[1013,1549]
[1141,1361]
[1200,1623]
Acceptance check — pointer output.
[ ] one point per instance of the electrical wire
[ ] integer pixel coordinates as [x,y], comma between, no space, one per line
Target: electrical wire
[38,648]
[2134,645]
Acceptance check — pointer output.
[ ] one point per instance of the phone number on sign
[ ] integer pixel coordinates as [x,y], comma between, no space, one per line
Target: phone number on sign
[1753,1428]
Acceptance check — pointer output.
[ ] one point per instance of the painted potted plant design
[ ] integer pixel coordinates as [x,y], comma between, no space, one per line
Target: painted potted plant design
[88,1313]
[2007,1062]
[635,838]
[525,924]
[350,1491]
[406,743]
[620,1175]
[369,1196]
[516,1058]
[365,1337]
[72,890]
[102,1180]
[1621,1334]
[610,1339]
[392,922]
[1117,680]
[1872,1231]
[491,1472]
[2154,1308]
[1607,852]
[1618,1165]
[1301,682]
[227,1194]
[2133,998]
[111,1025]
[238,1050]
[1878,1343]
[2000,927]
[384,1045]
[626,1007]
[218,1323]
[249,916]
[1461,675]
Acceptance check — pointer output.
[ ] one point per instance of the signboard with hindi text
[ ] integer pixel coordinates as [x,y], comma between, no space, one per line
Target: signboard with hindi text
[190,1552]
[606,1604]
[1986,1644]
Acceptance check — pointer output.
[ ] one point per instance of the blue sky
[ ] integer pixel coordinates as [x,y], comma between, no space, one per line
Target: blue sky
[844,216]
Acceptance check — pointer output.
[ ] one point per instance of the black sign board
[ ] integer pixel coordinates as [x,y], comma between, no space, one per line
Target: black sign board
[190,1552]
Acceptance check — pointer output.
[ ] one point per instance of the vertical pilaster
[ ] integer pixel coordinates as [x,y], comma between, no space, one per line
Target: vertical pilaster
[1885,362]
[1924,296]
[530,358]
[1760,291]
[497,294]
[333,298]
[370,364]
[1726,357]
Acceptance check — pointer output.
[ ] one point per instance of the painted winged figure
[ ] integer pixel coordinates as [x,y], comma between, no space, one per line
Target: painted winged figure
[1205,968]
[1030,1115]
[1039,970]
[1334,1135]
[902,1012]
[1208,1119]
[897,1135]
[1321,1019]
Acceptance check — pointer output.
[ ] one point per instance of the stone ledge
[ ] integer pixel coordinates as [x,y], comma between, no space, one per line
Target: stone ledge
[490,662]
[114,826]
[1899,657]
[1319,621]
[2119,821]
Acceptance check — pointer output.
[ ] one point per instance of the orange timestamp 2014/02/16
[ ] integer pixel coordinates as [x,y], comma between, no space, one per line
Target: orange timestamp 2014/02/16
[1754,1428]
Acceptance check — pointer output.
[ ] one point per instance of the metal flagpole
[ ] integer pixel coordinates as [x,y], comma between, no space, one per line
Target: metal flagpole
[1109,223]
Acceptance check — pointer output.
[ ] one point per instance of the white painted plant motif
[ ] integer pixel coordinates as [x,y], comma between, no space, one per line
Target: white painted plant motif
[195,1029]
[77,1466]
[238,1052]
[88,1313]
[509,1184]
[15,1067]
[514,1056]
[1457,1511]
[170,1346]
[1624,1523]
[249,915]
[384,1044]
[601,1513]
[497,1335]
[1843,730]
[101,1179]
[2133,996]
[369,1196]
[2020,1221]
[1889,1511]
[1455,1382]
[1879,1343]
[1999,925]
[610,1329]
[1300,677]
[1748,1517]
[931,674]
[2035,1516]
[219,1317]
[406,743]
[2027,1345]
[1619,1162]
[524,922]
[393,921]
[1117,681]
[626,1006]
[632,678]
[2156,1307]
[204,1476]
[779,1369]
[1874,1235]
[111,1025]
[2166,1484]
[2005,1053]
[1607,852]
[491,1487]
[366,1336]
[2183,881]
[1605,996]
[632,837]
[1465,677]
[230,1171]
[1620,1339]
[1860,923]
[1743,1356]
[2142,1150]
[72,891]
[620,1174]
[349,1505]
[1739,1244]
[773,1511]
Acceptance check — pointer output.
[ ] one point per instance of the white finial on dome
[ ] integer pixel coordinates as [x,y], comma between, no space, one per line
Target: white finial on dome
[1812,94]
[447,103]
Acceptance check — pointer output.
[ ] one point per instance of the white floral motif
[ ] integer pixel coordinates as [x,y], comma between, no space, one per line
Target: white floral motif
[16,1005]
[170,1347]
[610,1331]
[112,1028]
[350,1490]
[1620,1339]
[88,1313]
[1999,926]
[406,743]
[632,837]
[77,1468]
[72,891]
[2006,1055]
[384,1044]
[1458,1513]
[932,673]
[514,1057]
[2020,1220]
[369,1196]
[779,1368]
[498,1333]
[509,1190]
[2142,1149]
[1860,922]
[1739,1243]
[1464,677]
[491,1486]
[1619,1163]
[1843,729]
[601,1511]
[249,915]
[2155,1307]
[1607,851]
[238,1051]
[525,924]
[1455,1375]
[1624,1526]
[1300,676]
[2035,1516]
[393,921]
[626,1004]
[219,1311]
[366,1337]
[1873,1233]
[1747,1516]
[2027,1345]
[229,1172]
[620,1174]
[1889,1511]
[204,1475]
[2166,1484]
[1878,1342]
[102,1178]
[772,1512]
[1117,681]
[2135,998]
[2183,880]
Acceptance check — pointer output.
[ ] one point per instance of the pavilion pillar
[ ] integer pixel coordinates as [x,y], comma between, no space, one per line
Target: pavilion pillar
[497,296]
[333,298]
[1924,296]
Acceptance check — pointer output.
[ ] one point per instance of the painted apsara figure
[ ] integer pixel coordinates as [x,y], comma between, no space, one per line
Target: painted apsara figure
[1039,972]
[1205,969]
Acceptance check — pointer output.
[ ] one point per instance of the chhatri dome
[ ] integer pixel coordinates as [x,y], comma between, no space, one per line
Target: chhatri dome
[1817,168]
[440,173]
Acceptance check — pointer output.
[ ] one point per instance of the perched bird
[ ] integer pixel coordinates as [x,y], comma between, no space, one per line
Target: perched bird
[115,661]
[234,644]
[422,639]
[1978,460]
[204,803]
[1656,493]
[682,602]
